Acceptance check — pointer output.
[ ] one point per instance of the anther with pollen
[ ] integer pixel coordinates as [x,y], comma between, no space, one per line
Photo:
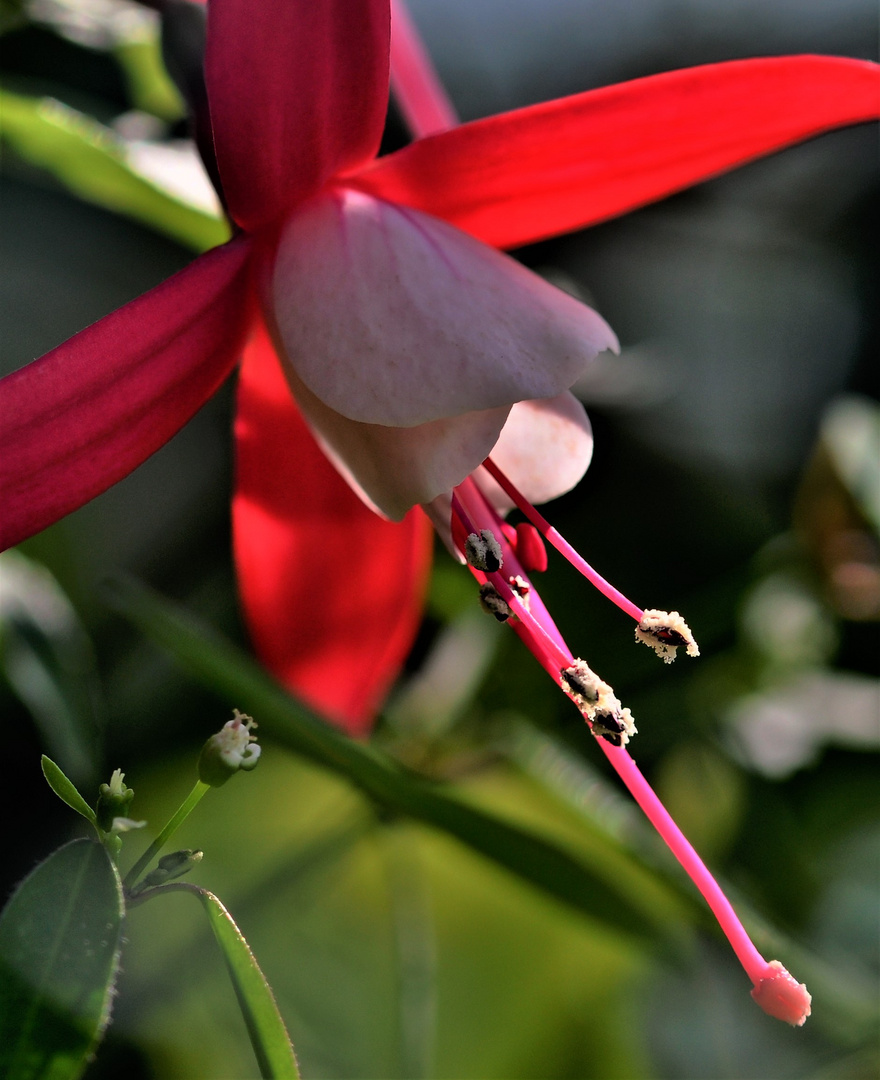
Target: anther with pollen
[493,603]
[598,703]
[664,631]
[483,551]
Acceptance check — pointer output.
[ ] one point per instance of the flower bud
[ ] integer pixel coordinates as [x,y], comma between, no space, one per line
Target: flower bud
[231,749]
[169,867]
[114,799]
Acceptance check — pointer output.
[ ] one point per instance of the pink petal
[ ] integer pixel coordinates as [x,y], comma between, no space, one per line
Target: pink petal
[393,469]
[84,415]
[544,170]
[332,594]
[420,95]
[392,317]
[544,448]
[298,91]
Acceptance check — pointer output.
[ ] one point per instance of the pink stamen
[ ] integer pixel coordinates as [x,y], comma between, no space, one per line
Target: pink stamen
[558,541]
[774,990]
[537,613]
[530,547]
[544,637]
[421,96]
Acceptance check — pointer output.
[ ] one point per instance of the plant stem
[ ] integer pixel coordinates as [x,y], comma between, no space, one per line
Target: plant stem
[180,815]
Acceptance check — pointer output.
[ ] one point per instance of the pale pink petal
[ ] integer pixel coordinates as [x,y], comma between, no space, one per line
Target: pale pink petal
[393,469]
[544,448]
[393,317]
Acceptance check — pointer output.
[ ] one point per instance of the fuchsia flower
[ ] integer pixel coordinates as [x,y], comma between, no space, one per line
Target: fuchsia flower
[406,340]
[414,349]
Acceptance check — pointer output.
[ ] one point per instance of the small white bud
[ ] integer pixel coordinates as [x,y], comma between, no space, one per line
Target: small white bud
[231,749]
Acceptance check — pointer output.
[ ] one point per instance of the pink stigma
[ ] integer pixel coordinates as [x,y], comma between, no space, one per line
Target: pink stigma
[476,529]
[781,995]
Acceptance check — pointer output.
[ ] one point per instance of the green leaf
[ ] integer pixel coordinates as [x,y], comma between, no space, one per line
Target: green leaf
[47,656]
[89,160]
[590,889]
[59,956]
[268,1034]
[65,790]
[149,84]
[12,15]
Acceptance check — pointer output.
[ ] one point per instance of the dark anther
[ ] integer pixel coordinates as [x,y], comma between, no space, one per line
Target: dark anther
[492,602]
[609,721]
[615,740]
[577,685]
[668,636]
[483,551]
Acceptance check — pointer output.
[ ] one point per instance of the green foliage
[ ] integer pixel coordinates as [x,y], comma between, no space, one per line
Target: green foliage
[527,854]
[59,956]
[148,83]
[265,1027]
[65,790]
[47,657]
[88,159]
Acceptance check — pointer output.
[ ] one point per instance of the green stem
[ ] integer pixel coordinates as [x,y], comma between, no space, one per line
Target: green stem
[182,813]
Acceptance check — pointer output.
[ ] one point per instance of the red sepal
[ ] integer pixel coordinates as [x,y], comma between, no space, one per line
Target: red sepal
[332,593]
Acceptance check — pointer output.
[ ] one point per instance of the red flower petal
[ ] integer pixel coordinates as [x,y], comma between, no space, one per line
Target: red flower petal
[331,592]
[547,169]
[84,415]
[298,92]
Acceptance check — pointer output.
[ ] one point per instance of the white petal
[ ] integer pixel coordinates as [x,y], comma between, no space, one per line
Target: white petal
[544,449]
[395,468]
[393,317]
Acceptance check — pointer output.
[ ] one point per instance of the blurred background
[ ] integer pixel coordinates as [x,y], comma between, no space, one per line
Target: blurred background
[736,478]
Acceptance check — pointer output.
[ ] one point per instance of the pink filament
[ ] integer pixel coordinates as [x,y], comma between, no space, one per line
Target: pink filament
[561,544]
[421,96]
[540,634]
